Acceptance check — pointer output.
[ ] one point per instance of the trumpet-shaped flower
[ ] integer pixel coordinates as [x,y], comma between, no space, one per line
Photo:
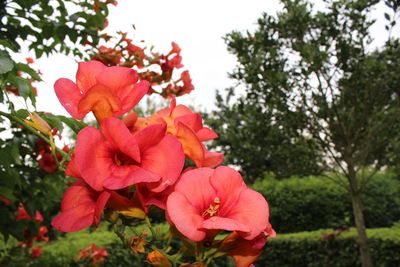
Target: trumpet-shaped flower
[81,207]
[187,127]
[106,91]
[207,200]
[114,158]
[245,252]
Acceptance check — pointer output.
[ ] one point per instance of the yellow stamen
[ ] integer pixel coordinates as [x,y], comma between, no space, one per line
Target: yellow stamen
[212,209]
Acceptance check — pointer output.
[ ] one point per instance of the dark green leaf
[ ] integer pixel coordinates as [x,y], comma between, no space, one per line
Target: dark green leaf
[6,64]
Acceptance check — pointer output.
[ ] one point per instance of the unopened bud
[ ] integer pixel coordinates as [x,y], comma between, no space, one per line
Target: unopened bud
[156,258]
[38,123]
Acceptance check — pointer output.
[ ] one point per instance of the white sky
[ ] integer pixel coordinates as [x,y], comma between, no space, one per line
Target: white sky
[197,26]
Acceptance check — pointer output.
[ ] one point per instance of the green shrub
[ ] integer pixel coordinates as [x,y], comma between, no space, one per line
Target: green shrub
[307,204]
[317,248]
[323,248]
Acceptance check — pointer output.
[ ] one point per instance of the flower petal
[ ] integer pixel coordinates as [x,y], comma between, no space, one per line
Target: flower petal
[191,145]
[69,96]
[124,176]
[185,217]
[117,78]
[206,134]
[180,110]
[195,185]
[193,121]
[92,157]
[150,136]
[72,169]
[77,208]
[212,159]
[223,224]
[101,101]
[132,96]
[118,135]
[229,185]
[165,159]
[74,220]
[251,210]
[87,73]
[100,204]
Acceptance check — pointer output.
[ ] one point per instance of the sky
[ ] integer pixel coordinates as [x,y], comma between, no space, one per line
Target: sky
[198,28]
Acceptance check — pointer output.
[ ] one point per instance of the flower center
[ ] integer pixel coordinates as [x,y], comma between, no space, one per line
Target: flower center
[212,209]
[121,159]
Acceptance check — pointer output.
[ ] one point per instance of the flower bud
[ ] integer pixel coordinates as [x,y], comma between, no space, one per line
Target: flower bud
[38,123]
[156,258]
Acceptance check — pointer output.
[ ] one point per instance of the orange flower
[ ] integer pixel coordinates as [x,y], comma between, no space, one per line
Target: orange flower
[187,127]
[245,252]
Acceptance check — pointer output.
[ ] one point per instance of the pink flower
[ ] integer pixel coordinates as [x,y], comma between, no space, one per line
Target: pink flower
[107,91]
[207,200]
[81,207]
[113,158]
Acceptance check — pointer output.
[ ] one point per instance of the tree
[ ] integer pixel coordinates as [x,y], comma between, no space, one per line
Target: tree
[312,73]
[257,138]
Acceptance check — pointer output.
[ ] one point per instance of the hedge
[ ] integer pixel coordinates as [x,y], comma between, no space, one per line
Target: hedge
[312,203]
[324,248]
[317,248]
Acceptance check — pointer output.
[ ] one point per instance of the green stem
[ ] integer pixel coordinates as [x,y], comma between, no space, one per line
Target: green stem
[148,223]
[33,130]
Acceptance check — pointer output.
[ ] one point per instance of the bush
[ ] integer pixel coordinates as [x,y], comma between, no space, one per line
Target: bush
[318,248]
[325,248]
[312,203]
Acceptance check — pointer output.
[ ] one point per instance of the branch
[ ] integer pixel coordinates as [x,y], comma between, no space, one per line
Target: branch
[34,131]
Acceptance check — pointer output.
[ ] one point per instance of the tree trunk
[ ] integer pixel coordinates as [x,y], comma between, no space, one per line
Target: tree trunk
[362,239]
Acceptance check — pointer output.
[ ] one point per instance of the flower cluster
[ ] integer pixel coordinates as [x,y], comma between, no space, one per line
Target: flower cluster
[95,255]
[127,165]
[156,68]
[30,238]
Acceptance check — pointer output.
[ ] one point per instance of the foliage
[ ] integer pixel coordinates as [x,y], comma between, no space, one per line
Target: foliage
[52,26]
[329,248]
[311,203]
[307,249]
[312,73]
[261,140]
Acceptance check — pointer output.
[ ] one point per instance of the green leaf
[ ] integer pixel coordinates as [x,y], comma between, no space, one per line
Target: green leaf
[27,69]
[6,43]
[22,113]
[6,64]
[24,87]
[10,178]
[75,125]
[5,158]
[54,122]
[8,193]
[15,154]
